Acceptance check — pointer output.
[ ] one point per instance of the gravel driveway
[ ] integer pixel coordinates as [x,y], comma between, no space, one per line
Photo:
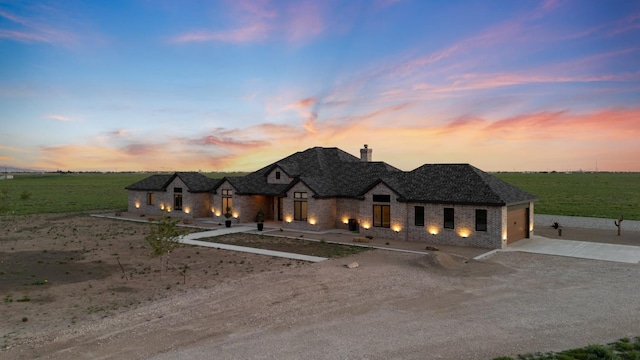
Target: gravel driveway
[394,306]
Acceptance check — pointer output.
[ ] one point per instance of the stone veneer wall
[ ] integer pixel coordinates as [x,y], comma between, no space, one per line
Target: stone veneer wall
[398,216]
[347,209]
[193,204]
[321,213]
[464,232]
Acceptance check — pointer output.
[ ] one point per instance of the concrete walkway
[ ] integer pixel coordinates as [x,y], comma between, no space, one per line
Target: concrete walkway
[578,249]
[191,239]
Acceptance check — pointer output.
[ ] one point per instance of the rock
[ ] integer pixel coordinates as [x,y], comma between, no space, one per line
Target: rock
[432,248]
[353,265]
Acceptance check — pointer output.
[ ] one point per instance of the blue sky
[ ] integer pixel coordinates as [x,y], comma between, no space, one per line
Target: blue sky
[235,85]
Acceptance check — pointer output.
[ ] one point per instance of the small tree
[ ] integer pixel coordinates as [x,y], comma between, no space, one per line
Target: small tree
[618,223]
[163,238]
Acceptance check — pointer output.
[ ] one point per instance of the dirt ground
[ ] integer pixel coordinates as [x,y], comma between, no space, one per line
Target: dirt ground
[80,287]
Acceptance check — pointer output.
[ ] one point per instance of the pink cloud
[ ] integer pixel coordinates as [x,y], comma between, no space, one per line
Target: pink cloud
[35,29]
[305,21]
[59,118]
[250,33]
[262,20]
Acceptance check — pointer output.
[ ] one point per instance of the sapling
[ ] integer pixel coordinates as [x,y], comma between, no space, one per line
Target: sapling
[618,223]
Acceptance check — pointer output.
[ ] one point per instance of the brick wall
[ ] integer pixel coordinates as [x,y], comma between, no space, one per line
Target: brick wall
[321,212]
[398,217]
[284,179]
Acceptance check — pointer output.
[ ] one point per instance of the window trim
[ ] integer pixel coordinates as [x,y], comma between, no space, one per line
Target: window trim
[381,198]
[479,226]
[449,223]
[151,198]
[177,205]
[300,206]
[380,208]
[416,217]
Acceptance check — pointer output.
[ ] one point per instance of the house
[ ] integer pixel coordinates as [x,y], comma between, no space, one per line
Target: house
[327,188]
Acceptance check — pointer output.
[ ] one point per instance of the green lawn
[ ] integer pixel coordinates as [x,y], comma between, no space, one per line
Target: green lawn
[62,192]
[604,195]
[598,195]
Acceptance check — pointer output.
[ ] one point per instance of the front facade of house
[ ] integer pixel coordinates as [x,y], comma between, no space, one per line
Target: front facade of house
[326,188]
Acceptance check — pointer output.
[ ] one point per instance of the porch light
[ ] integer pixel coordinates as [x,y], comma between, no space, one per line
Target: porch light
[345,221]
[396,229]
[187,210]
[433,231]
[137,204]
[464,234]
[288,219]
[366,226]
[312,221]
[235,215]
[218,213]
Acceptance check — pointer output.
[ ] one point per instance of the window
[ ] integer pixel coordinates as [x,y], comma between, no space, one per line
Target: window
[419,215]
[151,198]
[277,175]
[177,202]
[448,218]
[382,198]
[382,216]
[481,220]
[300,206]
[177,190]
[227,200]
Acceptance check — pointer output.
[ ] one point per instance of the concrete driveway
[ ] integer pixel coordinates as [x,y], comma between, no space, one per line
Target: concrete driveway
[578,249]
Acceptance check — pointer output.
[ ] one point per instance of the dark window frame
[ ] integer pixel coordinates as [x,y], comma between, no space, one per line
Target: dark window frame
[300,206]
[177,202]
[418,215]
[382,218]
[481,220]
[449,218]
[177,190]
[381,198]
[277,175]
[151,198]
[227,200]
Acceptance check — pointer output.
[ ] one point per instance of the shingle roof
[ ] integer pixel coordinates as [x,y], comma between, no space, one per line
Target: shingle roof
[331,172]
[456,184]
[194,181]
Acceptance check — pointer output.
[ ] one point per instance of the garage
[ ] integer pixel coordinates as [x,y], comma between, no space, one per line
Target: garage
[517,222]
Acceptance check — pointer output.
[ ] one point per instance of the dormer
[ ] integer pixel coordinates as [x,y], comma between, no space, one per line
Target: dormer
[278,176]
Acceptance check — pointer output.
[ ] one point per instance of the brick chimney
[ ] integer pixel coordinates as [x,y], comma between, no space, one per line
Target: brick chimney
[365,154]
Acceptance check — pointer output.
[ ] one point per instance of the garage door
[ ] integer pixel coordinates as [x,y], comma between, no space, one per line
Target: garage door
[517,224]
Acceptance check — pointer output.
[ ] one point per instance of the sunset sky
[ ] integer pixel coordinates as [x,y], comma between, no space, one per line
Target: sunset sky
[163,85]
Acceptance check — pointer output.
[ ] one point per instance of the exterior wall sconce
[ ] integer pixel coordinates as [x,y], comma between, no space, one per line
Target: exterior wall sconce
[366,226]
[464,234]
[213,210]
[218,213]
[137,205]
[312,221]
[288,219]
[161,206]
[396,229]
[187,210]
[168,208]
[433,231]
[345,221]
[235,215]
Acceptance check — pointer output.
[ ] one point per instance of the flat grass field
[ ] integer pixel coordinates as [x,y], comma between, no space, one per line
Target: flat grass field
[605,195]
